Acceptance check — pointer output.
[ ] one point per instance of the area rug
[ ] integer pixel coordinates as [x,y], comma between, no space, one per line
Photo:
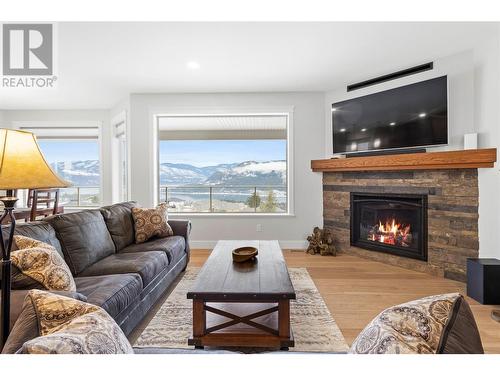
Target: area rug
[313,327]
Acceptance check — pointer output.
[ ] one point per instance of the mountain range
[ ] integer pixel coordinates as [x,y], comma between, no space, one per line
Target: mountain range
[79,173]
[248,173]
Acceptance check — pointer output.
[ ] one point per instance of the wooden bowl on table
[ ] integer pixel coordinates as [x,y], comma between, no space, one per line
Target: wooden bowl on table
[245,253]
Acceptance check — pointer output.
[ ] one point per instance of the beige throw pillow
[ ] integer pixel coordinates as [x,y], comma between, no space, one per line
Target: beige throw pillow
[42,263]
[69,326]
[151,222]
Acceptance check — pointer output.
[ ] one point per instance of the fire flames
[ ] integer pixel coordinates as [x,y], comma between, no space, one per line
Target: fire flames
[391,233]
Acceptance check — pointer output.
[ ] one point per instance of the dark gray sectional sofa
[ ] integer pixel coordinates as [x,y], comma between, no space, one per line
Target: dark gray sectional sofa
[110,270]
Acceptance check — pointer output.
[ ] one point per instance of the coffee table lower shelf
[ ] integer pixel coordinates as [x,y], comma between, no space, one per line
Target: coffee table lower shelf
[242,324]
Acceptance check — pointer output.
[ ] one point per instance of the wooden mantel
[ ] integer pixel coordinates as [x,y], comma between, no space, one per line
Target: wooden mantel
[482,158]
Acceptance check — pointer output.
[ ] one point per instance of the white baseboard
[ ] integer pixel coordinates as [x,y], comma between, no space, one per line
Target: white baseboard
[202,244]
[294,245]
[285,244]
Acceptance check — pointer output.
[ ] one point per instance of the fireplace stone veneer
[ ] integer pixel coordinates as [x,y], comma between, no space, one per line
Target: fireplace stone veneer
[452,214]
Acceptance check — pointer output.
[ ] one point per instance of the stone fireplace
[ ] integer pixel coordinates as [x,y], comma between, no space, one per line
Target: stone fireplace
[390,223]
[435,215]
[418,211]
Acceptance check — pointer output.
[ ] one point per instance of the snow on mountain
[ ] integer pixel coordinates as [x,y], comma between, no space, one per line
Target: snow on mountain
[180,174]
[79,173]
[278,166]
[252,173]
[246,173]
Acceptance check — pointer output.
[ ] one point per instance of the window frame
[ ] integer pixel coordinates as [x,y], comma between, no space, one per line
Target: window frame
[68,125]
[263,111]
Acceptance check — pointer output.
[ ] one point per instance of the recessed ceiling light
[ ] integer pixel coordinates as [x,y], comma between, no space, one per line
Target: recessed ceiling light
[193,65]
[422,115]
[342,130]
[392,123]
[363,130]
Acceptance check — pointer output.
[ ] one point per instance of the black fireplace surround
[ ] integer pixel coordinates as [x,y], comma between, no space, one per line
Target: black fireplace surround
[390,223]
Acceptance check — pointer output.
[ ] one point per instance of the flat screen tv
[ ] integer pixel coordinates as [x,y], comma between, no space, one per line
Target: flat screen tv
[415,115]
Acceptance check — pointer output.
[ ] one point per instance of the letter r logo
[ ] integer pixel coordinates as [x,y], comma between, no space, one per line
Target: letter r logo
[27,49]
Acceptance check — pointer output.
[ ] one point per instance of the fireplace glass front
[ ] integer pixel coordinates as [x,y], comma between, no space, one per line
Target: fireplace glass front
[391,223]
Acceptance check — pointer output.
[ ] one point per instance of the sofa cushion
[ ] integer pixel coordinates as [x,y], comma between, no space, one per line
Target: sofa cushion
[120,223]
[24,319]
[37,230]
[429,325]
[40,231]
[173,246]
[147,264]
[111,292]
[41,262]
[68,326]
[84,238]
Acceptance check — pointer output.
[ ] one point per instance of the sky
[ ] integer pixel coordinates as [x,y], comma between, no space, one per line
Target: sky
[69,150]
[208,153]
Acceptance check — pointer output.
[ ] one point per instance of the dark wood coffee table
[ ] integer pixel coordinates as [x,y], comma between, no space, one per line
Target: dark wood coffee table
[243,304]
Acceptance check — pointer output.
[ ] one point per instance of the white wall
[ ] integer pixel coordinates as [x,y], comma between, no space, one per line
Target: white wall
[487,123]
[460,71]
[308,129]
[101,116]
[474,106]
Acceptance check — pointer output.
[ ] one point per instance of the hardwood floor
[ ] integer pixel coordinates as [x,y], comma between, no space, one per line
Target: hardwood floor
[356,290]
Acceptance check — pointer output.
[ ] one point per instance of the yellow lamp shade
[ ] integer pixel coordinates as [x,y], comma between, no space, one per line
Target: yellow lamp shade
[22,165]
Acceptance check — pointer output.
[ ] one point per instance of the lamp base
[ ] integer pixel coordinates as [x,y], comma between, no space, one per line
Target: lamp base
[5,309]
[9,203]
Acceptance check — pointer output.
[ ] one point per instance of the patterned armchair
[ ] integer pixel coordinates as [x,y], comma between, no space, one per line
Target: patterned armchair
[431,325]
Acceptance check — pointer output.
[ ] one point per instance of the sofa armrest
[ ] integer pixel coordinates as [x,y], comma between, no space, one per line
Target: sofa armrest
[181,228]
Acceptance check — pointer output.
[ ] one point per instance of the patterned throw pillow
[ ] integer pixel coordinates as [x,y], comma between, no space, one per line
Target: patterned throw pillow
[69,326]
[42,263]
[410,328]
[151,222]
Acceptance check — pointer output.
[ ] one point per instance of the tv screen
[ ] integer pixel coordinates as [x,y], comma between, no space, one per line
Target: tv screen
[415,115]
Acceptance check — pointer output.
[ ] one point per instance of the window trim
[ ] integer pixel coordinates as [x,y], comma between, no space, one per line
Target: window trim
[120,119]
[235,111]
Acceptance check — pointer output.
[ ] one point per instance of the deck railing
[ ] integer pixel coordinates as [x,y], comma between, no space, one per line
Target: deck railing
[80,196]
[70,197]
[225,198]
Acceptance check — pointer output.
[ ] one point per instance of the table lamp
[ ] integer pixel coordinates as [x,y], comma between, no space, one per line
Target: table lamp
[22,166]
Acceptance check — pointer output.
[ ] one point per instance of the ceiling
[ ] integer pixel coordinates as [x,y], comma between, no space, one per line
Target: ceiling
[99,64]
[223,123]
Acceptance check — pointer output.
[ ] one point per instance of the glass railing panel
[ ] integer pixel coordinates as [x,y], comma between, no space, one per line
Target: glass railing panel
[225,199]
[273,199]
[234,199]
[188,199]
[68,197]
[89,197]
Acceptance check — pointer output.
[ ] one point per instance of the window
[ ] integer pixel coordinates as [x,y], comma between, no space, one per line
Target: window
[224,163]
[73,153]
